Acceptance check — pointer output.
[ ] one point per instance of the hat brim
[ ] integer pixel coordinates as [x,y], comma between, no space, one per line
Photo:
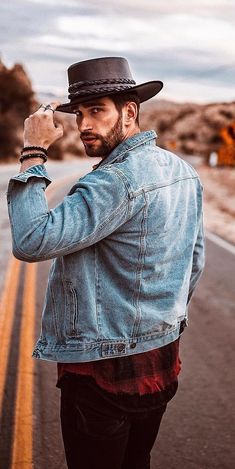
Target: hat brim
[145,91]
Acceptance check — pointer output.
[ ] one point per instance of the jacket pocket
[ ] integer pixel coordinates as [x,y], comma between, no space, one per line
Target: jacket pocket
[71,305]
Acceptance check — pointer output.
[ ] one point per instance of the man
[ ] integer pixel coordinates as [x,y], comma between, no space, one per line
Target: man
[128,248]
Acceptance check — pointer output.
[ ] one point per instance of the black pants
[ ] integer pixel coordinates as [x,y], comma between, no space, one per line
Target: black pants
[98,434]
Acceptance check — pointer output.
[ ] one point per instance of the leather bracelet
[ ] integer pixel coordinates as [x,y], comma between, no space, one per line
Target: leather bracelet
[33,147]
[33,155]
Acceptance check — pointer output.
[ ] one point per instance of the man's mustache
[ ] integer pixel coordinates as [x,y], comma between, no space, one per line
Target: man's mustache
[85,135]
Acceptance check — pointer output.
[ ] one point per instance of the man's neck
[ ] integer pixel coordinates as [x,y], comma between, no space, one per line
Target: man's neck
[131,133]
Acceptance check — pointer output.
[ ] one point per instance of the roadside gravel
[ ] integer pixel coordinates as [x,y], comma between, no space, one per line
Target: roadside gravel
[219,200]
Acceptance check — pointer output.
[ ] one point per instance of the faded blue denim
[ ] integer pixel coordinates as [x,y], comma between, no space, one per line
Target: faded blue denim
[128,249]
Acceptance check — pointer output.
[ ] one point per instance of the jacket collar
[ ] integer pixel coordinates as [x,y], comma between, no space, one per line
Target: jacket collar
[129,144]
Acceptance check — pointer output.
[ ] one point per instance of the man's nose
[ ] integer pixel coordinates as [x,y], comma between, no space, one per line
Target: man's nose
[84,124]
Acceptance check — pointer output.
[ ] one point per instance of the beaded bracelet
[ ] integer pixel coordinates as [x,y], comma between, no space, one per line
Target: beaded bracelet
[33,155]
[33,147]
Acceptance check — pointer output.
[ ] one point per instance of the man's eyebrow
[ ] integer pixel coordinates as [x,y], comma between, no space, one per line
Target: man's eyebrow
[90,104]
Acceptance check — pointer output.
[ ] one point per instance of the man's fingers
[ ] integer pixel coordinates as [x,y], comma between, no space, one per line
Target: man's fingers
[55,104]
[60,130]
[41,128]
[47,108]
[59,126]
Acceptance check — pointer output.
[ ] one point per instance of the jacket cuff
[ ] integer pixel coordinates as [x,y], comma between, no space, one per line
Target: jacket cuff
[38,171]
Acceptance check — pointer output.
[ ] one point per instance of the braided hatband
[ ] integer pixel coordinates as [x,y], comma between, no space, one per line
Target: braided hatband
[98,90]
[106,81]
[98,86]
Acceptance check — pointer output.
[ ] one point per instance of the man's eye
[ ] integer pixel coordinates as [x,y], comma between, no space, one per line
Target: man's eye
[95,110]
[78,113]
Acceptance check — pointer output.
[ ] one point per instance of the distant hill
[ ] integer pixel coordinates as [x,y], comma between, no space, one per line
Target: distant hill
[186,128]
[16,103]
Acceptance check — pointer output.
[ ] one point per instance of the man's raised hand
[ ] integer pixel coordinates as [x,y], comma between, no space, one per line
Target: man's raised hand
[40,129]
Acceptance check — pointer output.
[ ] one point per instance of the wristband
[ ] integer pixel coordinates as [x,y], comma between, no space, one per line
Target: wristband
[33,147]
[33,155]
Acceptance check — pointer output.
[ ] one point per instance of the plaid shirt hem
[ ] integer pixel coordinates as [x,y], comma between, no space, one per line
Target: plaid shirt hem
[154,372]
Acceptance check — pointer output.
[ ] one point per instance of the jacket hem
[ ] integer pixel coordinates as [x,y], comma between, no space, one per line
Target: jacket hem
[73,353]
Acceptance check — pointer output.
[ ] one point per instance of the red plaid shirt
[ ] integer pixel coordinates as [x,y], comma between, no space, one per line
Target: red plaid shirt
[145,373]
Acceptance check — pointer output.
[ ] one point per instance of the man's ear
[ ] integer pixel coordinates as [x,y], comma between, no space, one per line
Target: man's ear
[130,113]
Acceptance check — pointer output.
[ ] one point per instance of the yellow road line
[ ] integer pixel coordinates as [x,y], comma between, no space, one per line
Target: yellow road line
[22,451]
[7,310]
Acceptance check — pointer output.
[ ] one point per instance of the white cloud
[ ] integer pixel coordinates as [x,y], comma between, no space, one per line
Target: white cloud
[195,91]
[133,34]
[189,41]
[75,44]
[168,31]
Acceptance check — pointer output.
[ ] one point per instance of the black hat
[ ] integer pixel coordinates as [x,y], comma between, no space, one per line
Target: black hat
[102,77]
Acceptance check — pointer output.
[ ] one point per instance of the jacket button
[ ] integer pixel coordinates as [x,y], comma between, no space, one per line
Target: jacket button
[133,345]
[121,347]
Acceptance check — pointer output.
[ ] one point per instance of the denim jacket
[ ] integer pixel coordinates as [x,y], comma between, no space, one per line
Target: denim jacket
[127,248]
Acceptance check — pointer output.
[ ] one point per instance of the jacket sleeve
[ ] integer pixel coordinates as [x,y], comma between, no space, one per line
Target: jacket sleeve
[198,260]
[95,207]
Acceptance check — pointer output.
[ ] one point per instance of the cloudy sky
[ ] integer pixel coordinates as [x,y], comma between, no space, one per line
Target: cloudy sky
[188,44]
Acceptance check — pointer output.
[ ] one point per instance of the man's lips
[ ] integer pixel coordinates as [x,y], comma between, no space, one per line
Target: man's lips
[88,140]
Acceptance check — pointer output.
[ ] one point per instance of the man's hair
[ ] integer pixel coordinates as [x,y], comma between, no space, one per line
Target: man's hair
[123,98]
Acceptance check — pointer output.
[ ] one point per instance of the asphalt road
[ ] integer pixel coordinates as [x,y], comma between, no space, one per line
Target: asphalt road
[198,429]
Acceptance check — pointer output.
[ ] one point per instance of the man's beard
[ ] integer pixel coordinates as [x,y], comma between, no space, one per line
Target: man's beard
[107,143]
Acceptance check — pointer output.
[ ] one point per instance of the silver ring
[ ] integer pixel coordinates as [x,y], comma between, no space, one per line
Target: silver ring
[47,107]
